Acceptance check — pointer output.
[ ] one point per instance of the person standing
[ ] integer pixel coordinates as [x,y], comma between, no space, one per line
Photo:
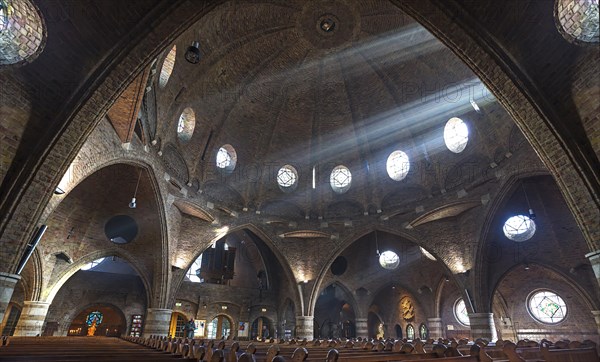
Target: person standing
[189,328]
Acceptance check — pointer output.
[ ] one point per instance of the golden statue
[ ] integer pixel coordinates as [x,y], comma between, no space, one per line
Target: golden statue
[92,328]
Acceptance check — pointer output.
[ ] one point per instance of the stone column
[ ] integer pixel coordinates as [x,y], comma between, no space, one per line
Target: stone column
[594,258]
[32,318]
[362,329]
[483,326]
[157,322]
[305,327]
[435,328]
[596,314]
[7,286]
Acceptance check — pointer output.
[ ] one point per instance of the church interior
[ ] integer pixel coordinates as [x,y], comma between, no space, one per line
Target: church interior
[414,172]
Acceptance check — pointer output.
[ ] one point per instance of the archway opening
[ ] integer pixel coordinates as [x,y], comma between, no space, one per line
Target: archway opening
[98,320]
[261,328]
[334,313]
[176,325]
[219,327]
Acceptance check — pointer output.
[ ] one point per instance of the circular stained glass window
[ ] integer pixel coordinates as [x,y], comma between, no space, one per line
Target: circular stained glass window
[578,20]
[226,158]
[460,312]
[287,178]
[519,228]
[167,67]
[186,124]
[340,179]
[92,264]
[389,260]
[456,135]
[22,32]
[547,307]
[397,165]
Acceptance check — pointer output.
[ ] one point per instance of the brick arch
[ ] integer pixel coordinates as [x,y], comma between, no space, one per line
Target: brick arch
[289,275]
[48,294]
[572,169]
[351,300]
[68,319]
[588,299]
[314,294]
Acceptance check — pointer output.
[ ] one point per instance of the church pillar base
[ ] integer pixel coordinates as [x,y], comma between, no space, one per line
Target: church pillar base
[32,318]
[305,327]
[435,328]
[158,321]
[483,326]
[7,286]
[594,258]
[362,329]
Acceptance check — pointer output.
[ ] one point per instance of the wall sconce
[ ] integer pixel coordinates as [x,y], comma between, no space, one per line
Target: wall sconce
[224,307]
[263,310]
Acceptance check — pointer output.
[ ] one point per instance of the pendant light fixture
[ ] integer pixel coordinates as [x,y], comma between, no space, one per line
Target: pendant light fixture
[133,203]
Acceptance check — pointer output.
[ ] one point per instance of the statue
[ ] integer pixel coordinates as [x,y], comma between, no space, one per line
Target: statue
[92,328]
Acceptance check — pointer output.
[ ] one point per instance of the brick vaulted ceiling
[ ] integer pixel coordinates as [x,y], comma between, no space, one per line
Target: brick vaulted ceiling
[280,89]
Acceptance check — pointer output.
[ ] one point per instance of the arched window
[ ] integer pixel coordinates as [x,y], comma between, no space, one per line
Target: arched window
[22,32]
[340,179]
[397,165]
[287,178]
[519,228]
[410,332]
[460,312]
[577,20]
[456,135]
[186,124]
[167,67]
[546,307]
[423,331]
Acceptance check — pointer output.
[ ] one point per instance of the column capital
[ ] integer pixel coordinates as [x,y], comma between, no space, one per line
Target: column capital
[8,277]
[593,254]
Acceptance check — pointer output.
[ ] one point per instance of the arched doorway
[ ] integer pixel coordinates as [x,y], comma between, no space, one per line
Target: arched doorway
[375,326]
[98,320]
[261,328]
[176,325]
[219,327]
[334,312]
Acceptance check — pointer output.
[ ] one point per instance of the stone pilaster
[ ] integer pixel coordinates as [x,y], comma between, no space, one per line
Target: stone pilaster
[435,328]
[483,326]
[157,322]
[594,258]
[362,329]
[32,318]
[305,327]
[7,286]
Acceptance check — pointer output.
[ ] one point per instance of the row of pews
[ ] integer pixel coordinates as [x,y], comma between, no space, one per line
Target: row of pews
[363,350]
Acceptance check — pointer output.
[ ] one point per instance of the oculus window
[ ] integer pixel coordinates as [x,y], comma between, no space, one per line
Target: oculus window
[519,228]
[287,178]
[340,179]
[389,260]
[397,165]
[460,312]
[456,135]
[186,124]
[546,307]
[167,67]
[226,158]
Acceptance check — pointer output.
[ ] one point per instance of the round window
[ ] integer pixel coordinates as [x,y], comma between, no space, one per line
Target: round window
[460,312]
[456,135]
[121,229]
[397,165]
[167,67]
[519,228]
[546,307]
[577,20]
[389,260]
[226,158]
[287,178]
[186,124]
[22,32]
[340,179]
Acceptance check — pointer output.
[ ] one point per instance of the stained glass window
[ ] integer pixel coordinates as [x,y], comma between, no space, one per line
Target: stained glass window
[397,165]
[410,332]
[22,32]
[167,67]
[96,315]
[424,333]
[389,260]
[287,177]
[460,312]
[456,135]
[547,307]
[186,124]
[340,179]
[519,228]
